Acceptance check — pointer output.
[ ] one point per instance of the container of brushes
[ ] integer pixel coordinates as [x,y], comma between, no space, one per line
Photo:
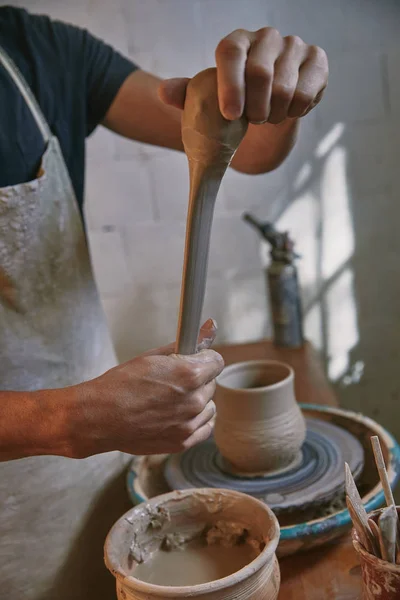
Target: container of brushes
[381,579]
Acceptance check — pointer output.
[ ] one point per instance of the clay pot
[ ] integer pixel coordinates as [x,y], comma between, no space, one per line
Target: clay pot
[144,528]
[259,426]
[381,580]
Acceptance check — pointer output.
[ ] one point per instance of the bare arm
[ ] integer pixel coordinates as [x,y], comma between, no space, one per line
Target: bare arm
[138,113]
[156,403]
[34,423]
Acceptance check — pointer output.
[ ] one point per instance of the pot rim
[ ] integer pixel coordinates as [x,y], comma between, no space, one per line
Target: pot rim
[196,590]
[374,560]
[254,363]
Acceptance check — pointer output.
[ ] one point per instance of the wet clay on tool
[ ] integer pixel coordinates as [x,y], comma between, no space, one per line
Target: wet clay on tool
[213,544]
[210,142]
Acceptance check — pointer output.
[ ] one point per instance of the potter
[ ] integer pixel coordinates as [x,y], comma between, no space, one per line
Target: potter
[259,426]
[66,410]
[214,544]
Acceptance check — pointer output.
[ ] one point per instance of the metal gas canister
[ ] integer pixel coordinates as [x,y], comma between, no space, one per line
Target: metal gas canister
[283,285]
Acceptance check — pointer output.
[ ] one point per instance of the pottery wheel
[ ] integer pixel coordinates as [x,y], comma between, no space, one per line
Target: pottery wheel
[318,477]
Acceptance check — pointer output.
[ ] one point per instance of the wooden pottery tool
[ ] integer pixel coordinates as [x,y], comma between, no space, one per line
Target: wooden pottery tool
[388,533]
[365,535]
[210,142]
[358,513]
[380,465]
[376,533]
[384,478]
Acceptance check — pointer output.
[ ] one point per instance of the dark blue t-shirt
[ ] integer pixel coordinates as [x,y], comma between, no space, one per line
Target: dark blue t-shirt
[74,77]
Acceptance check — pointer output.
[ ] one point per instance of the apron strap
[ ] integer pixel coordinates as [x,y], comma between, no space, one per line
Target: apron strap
[27,94]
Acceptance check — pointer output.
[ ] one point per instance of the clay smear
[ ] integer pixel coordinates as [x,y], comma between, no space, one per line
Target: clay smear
[194,563]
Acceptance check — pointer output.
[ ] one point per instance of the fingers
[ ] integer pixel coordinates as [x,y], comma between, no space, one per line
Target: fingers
[204,417]
[207,335]
[200,369]
[260,68]
[313,79]
[286,78]
[198,400]
[173,91]
[264,76]
[231,57]
[268,77]
[200,435]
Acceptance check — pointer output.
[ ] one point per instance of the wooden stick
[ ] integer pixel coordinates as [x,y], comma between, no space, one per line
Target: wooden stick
[376,533]
[364,535]
[355,498]
[380,465]
[388,531]
[358,514]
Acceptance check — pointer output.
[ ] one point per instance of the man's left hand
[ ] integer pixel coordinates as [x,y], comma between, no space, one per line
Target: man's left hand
[267,77]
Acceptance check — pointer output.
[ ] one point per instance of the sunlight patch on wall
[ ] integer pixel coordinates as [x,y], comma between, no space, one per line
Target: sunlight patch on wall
[300,220]
[304,174]
[342,330]
[330,140]
[337,230]
[313,326]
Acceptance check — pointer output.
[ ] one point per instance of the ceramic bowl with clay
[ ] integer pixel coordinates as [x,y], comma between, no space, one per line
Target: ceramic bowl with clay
[300,530]
[148,537]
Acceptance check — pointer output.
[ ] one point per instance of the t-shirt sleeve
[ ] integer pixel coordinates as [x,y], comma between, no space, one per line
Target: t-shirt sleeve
[105,70]
[93,68]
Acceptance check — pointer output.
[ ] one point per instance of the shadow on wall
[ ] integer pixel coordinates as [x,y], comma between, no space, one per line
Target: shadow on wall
[344,216]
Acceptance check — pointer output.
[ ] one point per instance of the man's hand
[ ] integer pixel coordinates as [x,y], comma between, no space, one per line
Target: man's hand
[267,77]
[272,79]
[157,403]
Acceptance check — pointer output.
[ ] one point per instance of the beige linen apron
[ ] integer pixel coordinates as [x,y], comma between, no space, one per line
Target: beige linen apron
[54,512]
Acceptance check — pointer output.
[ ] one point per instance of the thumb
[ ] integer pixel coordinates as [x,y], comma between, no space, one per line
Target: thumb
[173,91]
[207,335]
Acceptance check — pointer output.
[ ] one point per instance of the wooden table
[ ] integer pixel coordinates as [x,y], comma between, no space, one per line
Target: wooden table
[331,572]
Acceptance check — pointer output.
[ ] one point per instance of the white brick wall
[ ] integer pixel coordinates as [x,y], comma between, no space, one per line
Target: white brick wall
[338,191]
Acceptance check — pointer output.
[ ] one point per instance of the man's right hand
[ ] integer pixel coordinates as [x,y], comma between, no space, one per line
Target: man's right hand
[156,403]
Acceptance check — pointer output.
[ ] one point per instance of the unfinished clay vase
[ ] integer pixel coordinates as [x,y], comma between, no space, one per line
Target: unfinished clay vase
[227,520]
[259,426]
